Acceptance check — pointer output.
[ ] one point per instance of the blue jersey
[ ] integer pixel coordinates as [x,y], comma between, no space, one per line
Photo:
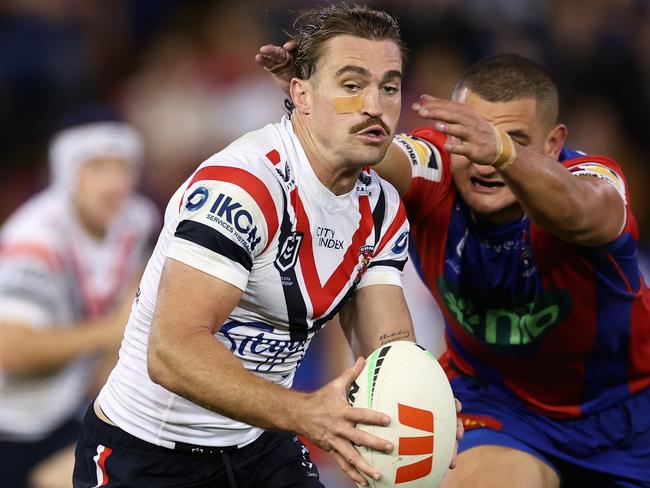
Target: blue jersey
[564,328]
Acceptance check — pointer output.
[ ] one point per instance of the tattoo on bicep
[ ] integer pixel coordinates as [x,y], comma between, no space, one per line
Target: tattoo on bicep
[394,336]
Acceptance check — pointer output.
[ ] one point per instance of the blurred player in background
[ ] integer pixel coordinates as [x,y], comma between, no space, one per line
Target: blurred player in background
[530,250]
[69,258]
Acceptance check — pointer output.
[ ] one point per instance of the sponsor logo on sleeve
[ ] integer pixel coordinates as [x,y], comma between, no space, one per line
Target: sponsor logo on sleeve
[602,172]
[234,218]
[197,199]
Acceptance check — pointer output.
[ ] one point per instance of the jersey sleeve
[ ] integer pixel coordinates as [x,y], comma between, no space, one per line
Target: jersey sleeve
[386,266]
[606,170]
[430,167]
[32,284]
[228,217]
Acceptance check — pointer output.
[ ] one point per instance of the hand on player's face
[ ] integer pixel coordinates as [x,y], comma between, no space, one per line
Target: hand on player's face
[469,134]
[330,422]
[469,122]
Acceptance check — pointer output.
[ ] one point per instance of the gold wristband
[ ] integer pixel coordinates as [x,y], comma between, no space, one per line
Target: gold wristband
[506,152]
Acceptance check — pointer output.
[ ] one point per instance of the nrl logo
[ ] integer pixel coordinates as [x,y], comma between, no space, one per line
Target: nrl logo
[288,253]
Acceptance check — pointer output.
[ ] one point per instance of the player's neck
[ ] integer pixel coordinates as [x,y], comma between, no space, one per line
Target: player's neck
[334,175]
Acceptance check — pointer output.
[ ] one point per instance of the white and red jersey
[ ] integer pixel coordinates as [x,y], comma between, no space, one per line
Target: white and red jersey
[255,215]
[53,274]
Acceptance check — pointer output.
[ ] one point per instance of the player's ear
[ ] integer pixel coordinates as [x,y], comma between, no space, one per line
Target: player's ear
[555,140]
[300,91]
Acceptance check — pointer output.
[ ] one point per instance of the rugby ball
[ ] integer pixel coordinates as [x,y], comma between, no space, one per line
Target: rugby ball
[405,381]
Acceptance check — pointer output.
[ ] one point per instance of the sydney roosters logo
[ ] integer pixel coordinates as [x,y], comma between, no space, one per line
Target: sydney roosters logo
[365,255]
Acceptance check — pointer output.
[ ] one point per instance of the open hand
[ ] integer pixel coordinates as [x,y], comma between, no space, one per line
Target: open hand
[329,421]
[469,134]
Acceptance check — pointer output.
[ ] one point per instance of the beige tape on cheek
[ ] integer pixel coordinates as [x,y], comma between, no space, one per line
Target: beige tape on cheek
[348,105]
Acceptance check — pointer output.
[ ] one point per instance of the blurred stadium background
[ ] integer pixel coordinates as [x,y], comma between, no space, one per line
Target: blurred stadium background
[183,72]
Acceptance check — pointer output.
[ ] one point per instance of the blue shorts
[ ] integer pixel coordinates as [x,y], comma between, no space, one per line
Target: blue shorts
[108,456]
[608,448]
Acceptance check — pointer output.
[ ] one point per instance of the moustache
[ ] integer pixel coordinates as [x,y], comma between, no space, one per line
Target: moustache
[368,123]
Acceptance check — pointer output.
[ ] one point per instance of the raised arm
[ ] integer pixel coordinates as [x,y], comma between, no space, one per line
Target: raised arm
[584,210]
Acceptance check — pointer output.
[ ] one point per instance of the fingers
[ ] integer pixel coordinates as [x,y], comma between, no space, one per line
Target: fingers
[275,53]
[349,469]
[455,130]
[460,432]
[352,457]
[452,465]
[436,108]
[264,61]
[366,416]
[290,45]
[456,146]
[361,438]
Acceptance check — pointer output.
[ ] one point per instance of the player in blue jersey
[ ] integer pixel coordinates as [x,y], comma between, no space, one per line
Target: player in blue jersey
[530,250]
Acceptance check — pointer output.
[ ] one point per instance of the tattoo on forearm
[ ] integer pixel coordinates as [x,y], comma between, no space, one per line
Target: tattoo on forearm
[394,336]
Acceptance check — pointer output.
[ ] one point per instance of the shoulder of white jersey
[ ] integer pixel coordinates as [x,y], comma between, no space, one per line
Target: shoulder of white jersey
[239,194]
[599,167]
[425,149]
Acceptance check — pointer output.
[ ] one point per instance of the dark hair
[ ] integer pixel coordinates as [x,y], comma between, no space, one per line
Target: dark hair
[313,27]
[511,77]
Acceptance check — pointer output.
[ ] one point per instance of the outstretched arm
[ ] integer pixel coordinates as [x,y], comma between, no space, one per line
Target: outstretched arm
[583,210]
[185,358]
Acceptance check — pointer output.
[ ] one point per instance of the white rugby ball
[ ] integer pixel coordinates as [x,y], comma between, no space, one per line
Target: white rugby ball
[406,382]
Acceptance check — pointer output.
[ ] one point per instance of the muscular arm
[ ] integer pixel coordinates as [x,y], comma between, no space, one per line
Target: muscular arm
[185,358]
[376,315]
[582,210]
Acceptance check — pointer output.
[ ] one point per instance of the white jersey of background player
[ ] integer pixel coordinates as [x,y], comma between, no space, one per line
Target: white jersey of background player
[256,216]
[67,257]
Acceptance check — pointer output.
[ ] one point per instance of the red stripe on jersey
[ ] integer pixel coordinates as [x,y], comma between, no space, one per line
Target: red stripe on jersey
[28,249]
[322,296]
[396,225]
[273,156]
[251,184]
